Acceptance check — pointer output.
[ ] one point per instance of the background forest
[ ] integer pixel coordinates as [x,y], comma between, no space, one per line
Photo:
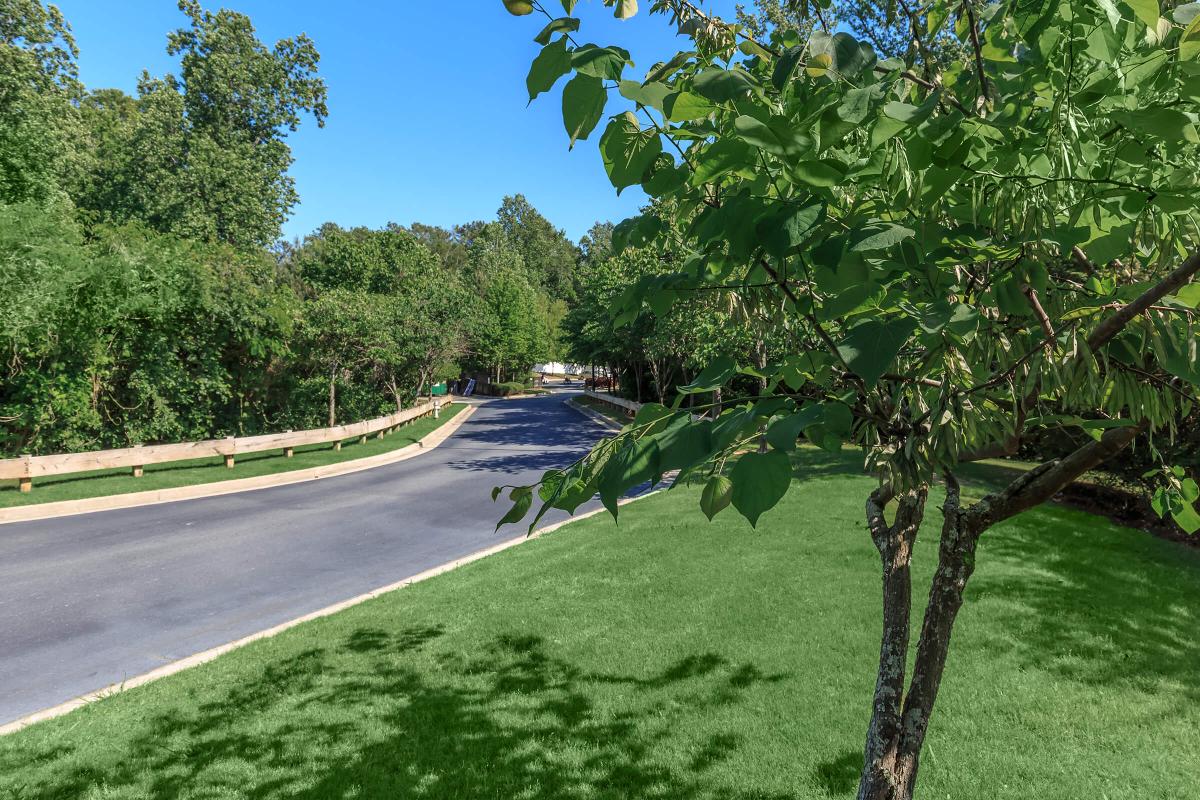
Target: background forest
[144,293]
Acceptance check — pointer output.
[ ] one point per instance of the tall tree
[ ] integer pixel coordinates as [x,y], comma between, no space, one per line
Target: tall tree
[206,156]
[38,84]
[548,255]
[964,256]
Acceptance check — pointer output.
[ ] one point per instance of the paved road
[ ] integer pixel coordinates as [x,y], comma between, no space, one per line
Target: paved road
[89,600]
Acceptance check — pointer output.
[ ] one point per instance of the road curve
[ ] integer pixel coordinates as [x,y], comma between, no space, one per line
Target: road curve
[89,600]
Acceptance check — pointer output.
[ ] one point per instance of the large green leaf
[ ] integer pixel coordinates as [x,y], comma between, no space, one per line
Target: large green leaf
[777,137]
[783,432]
[628,151]
[583,104]
[878,236]
[721,158]
[714,376]
[599,62]
[1146,10]
[684,442]
[723,85]
[685,106]
[872,346]
[551,64]
[648,94]
[760,480]
[634,464]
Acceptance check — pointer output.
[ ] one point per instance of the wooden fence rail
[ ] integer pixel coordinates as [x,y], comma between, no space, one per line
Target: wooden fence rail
[630,407]
[25,468]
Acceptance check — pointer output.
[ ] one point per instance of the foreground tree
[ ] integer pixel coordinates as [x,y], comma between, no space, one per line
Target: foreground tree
[967,256]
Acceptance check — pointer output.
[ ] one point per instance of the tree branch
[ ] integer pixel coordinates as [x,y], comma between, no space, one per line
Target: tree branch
[1110,327]
[1048,479]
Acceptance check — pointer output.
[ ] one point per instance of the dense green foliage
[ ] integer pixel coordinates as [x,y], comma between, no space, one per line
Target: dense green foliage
[139,300]
[645,661]
[959,247]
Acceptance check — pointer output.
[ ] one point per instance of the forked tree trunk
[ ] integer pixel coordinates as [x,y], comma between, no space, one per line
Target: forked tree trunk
[899,719]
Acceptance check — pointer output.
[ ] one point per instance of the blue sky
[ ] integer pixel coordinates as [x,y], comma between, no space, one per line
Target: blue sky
[427,104]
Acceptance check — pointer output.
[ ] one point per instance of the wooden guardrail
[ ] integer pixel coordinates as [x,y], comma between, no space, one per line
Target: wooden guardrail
[25,468]
[630,407]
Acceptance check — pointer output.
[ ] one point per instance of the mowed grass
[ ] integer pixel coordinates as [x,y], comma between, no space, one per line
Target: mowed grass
[607,409]
[671,658]
[100,483]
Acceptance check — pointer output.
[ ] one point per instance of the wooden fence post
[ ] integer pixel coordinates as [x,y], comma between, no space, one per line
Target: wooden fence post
[337,445]
[137,468]
[25,482]
[287,451]
[229,455]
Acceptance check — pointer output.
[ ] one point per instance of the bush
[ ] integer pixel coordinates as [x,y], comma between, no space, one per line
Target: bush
[504,389]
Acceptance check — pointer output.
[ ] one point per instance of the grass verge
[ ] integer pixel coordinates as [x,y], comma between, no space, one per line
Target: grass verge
[607,409]
[671,658]
[101,483]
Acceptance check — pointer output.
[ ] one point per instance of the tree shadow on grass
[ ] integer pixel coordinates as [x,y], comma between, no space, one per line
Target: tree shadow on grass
[383,714]
[1095,602]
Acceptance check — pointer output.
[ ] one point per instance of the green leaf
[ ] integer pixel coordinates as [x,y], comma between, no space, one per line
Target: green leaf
[649,94]
[583,105]
[723,85]
[684,443]
[1189,42]
[634,464]
[1145,10]
[789,227]
[599,62]
[786,65]
[872,346]
[779,138]
[625,9]
[760,480]
[817,173]
[685,106]
[522,498]
[714,376]
[560,25]
[551,64]
[716,496]
[1186,517]
[720,158]
[783,432]
[879,236]
[627,151]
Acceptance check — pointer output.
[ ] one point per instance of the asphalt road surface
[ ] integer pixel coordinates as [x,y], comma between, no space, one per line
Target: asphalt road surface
[89,600]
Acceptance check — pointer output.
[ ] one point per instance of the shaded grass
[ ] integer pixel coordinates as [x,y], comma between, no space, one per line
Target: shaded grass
[607,409]
[670,658]
[101,483]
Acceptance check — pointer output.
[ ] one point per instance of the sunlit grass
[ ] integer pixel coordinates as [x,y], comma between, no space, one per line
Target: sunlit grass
[671,658]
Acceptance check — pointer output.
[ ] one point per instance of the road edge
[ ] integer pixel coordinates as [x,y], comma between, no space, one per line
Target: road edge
[212,653]
[66,508]
[594,416]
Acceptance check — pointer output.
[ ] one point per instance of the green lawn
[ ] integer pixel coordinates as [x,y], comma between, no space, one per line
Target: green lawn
[670,658]
[101,483]
[607,409]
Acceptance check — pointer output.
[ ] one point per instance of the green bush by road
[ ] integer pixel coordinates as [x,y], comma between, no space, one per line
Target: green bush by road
[101,483]
[669,658]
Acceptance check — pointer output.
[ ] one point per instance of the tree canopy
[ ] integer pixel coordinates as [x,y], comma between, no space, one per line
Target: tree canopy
[960,251]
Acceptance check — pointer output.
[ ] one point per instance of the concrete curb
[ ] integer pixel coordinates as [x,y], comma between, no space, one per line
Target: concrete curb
[594,416]
[212,653]
[66,508]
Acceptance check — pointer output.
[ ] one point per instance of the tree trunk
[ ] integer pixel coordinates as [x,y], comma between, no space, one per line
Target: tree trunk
[333,397]
[895,543]
[395,394]
[900,721]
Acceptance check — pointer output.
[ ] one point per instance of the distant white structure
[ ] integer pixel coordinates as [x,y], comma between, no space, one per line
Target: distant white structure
[558,368]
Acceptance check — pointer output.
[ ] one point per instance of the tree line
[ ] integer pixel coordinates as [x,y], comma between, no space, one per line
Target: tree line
[145,295]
